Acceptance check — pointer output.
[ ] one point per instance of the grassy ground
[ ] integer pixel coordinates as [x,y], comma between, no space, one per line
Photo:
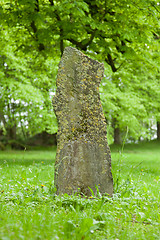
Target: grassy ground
[29,208]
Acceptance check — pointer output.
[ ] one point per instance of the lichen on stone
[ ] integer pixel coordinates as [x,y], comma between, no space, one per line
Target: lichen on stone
[83,156]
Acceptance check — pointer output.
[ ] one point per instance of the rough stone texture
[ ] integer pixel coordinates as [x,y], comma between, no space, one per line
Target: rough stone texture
[83,157]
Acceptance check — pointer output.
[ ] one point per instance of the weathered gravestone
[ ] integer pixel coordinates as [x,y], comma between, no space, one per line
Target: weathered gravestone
[83,158]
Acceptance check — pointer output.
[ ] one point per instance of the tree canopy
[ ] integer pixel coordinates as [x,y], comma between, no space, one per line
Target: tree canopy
[124,35]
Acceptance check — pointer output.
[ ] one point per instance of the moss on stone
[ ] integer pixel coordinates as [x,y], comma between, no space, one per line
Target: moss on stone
[82,142]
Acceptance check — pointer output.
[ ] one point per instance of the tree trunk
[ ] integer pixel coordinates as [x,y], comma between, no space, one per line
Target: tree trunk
[158,130]
[11,132]
[117,136]
[2,118]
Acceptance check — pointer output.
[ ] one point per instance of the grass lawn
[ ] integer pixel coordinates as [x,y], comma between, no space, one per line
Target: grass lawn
[30,210]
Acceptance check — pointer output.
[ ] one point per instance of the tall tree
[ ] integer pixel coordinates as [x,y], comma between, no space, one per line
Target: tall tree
[120,33]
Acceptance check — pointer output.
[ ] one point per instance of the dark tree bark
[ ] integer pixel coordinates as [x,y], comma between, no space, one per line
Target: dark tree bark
[2,118]
[158,130]
[117,136]
[11,132]
[116,133]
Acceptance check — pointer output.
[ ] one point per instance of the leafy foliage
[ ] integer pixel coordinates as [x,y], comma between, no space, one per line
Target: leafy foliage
[124,35]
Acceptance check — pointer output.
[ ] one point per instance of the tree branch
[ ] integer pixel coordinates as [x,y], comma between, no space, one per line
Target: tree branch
[61,29]
[34,28]
[153,5]
[81,44]
[110,61]
[51,2]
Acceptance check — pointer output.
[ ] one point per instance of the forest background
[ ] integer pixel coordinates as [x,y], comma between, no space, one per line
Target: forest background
[124,35]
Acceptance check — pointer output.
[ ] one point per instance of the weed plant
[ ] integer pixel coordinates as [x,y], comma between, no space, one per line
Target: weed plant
[29,208]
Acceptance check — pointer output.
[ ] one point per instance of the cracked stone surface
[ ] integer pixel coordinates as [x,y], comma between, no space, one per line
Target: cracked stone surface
[83,157]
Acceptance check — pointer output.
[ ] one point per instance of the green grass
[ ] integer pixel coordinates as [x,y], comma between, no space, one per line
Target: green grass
[29,208]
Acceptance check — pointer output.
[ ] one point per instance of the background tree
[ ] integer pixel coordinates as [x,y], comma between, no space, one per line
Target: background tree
[124,35]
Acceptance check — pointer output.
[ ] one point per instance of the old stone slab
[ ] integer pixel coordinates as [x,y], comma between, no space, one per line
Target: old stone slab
[83,157]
